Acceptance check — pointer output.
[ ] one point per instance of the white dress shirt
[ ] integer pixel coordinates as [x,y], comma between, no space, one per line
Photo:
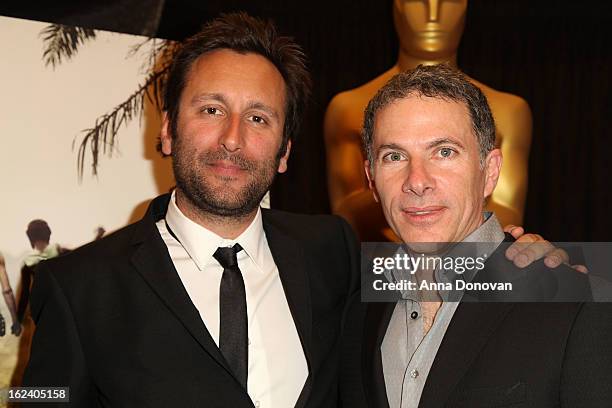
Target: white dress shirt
[277,365]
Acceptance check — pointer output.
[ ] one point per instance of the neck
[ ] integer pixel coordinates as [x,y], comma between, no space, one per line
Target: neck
[406,61]
[228,227]
[41,246]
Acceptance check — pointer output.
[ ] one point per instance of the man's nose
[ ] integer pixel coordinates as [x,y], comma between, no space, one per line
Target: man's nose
[433,9]
[418,178]
[231,136]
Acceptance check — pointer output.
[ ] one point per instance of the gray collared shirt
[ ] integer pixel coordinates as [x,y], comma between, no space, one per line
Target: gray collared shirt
[408,353]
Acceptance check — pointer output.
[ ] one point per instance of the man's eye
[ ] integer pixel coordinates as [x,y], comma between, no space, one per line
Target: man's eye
[394,156]
[212,111]
[446,152]
[258,119]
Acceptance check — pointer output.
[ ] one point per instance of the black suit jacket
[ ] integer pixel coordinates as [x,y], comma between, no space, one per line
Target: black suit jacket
[495,354]
[115,324]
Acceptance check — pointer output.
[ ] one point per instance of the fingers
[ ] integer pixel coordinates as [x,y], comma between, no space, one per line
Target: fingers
[531,247]
[514,230]
[581,268]
[521,244]
[556,257]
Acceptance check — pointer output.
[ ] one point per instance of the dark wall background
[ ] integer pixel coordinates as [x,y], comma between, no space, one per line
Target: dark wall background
[554,53]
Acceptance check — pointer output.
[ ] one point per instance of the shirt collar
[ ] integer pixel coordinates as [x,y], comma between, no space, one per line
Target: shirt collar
[51,251]
[486,238]
[201,243]
[489,232]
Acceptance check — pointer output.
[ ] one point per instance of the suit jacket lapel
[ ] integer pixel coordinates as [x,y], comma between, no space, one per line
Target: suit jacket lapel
[152,261]
[468,332]
[378,316]
[292,266]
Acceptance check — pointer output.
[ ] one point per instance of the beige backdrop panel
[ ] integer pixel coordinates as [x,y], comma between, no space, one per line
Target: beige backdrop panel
[41,112]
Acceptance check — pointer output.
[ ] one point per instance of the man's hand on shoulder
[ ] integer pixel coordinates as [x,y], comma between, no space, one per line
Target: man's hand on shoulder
[530,247]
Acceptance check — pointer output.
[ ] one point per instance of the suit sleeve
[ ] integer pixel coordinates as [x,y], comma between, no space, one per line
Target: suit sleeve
[351,392]
[353,252]
[56,357]
[587,368]
[351,386]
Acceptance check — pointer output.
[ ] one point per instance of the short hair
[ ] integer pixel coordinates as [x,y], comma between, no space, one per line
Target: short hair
[38,230]
[244,34]
[434,81]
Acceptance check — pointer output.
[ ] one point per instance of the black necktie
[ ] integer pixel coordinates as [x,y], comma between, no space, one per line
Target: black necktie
[233,327]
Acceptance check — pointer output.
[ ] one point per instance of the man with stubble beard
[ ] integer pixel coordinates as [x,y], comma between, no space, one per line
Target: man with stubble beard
[208,300]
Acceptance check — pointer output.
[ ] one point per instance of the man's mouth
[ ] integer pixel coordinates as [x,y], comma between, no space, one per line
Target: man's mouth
[424,214]
[423,210]
[226,167]
[225,164]
[221,160]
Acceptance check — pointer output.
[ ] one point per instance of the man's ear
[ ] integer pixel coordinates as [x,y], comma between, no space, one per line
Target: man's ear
[165,135]
[282,164]
[493,164]
[370,177]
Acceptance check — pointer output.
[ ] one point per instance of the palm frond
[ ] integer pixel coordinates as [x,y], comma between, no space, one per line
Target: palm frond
[102,137]
[159,51]
[62,42]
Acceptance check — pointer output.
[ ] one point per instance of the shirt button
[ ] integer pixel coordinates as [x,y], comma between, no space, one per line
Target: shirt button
[414,315]
[257,404]
[414,373]
[249,342]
